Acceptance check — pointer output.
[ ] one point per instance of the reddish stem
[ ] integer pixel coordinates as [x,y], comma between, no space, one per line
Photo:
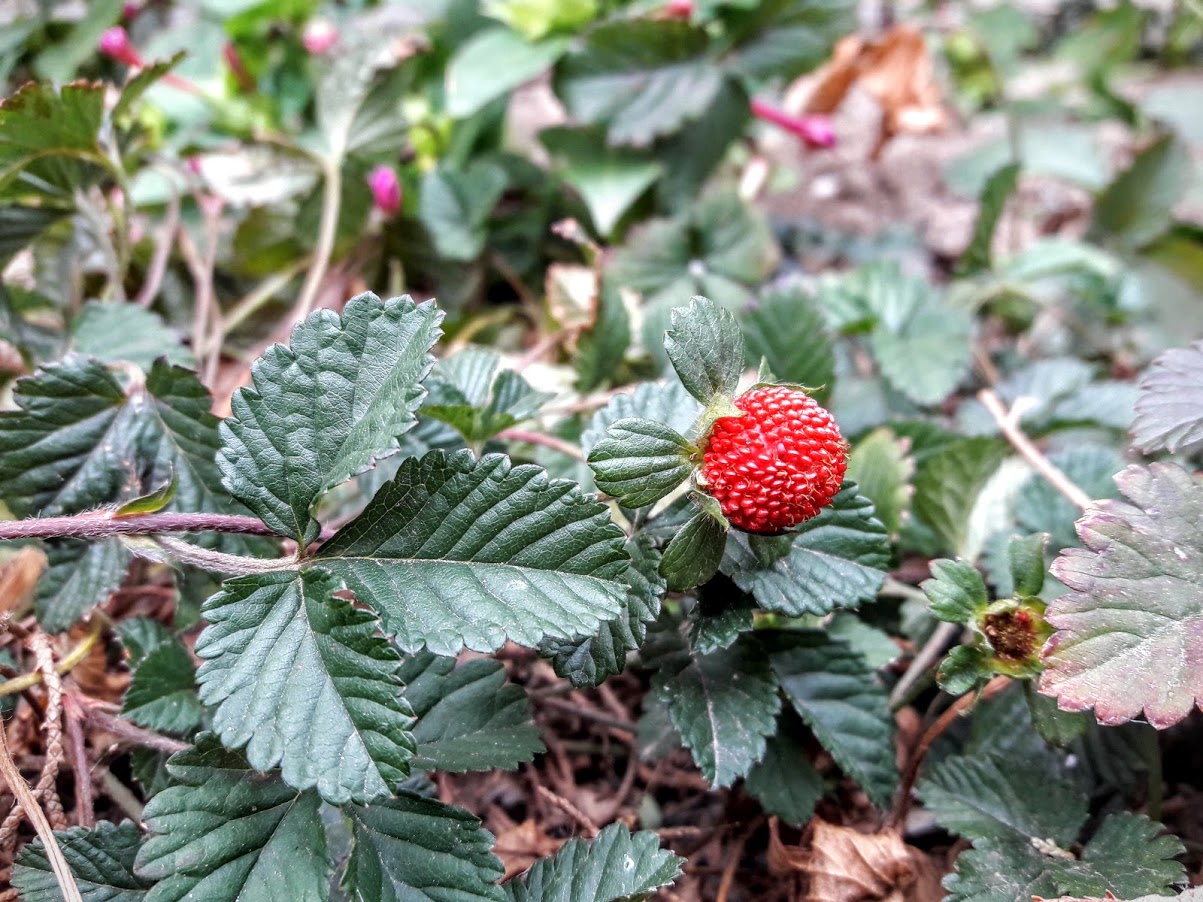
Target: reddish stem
[815,130]
[102,523]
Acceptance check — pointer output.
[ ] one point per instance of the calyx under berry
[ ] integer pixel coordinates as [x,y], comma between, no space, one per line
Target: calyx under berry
[776,463]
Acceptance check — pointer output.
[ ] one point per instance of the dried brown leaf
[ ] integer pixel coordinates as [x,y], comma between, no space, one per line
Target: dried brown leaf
[521,846]
[18,576]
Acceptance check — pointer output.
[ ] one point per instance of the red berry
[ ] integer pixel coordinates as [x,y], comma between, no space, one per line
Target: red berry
[778,464]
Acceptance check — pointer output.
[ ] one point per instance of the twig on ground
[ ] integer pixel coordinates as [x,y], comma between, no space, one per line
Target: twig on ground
[72,658]
[941,636]
[85,803]
[125,731]
[590,828]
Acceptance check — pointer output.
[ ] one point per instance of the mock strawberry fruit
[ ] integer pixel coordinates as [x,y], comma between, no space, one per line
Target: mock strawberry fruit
[778,464]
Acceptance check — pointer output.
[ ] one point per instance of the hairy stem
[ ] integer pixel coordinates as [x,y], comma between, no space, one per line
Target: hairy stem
[547,441]
[102,523]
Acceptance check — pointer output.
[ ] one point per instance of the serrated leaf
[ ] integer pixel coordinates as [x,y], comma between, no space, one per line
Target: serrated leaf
[1130,631]
[948,482]
[986,796]
[492,63]
[694,554]
[723,704]
[837,559]
[956,591]
[640,461]
[998,189]
[323,408]
[608,179]
[1137,207]
[839,698]
[1130,852]
[718,619]
[162,693]
[301,679]
[1056,727]
[641,78]
[455,204]
[140,636]
[456,551]
[226,832]
[881,466]
[82,573]
[587,660]
[113,332]
[48,138]
[469,718]
[467,393]
[101,861]
[706,349]
[1025,559]
[786,329]
[1040,507]
[1169,413]
[785,781]
[664,402]
[875,645]
[616,866]
[965,667]
[412,847]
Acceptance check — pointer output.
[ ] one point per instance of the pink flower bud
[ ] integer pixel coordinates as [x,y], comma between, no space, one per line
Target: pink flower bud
[815,129]
[115,43]
[678,9]
[319,36]
[129,10]
[386,189]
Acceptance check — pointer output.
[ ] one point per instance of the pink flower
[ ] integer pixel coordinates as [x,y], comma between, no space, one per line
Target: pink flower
[386,189]
[115,43]
[678,9]
[815,130]
[319,36]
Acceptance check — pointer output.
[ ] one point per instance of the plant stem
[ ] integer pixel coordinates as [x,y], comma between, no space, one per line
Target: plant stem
[102,523]
[1009,425]
[926,657]
[547,441]
[75,656]
[327,232]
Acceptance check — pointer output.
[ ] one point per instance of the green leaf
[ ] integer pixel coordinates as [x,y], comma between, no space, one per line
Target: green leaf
[782,39]
[640,461]
[1130,852]
[608,179]
[786,329]
[785,781]
[718,619]
[48,139]
[1056,727]
[416,848]
[603,346]
[693,555]
[140,636]
[356,96]
[456,551]
[957,591]
[493,62]
[324,408]
[1040,507]
[1169,413]
[125,332]
[985,796]
[1137,208]
[838,559]
[82,573]
[706,348]
[883,469]
[162,693]
[226,832]
[999,188]
[301,680]
[664,402]
[467,393]
[615,867]
[587,660]
[150,503]
[839,698]
[875,645]
[965,667]
[538,18]
[469,718]
[723,704]
[1131,629]
[947,485]
[101,860]
[1025,554]
[641,78]
[455,205]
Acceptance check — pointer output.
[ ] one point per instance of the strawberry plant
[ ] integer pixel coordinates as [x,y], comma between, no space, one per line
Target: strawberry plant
[438,460]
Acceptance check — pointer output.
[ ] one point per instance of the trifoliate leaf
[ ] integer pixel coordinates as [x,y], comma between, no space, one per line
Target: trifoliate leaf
[693,555]
[986,796]
[839,698]
[665,402]
[302,680]
[641,78]
[881,466]
[1040,507]
[111,332]
[323,408]
[956,591]
[706,348]
[587,660]
[947,485]
[838,559]
[469,718]
[415,848]
[1130,631]
[617,866]
[468,394]
[785,781]
[162,693]
[101,861]
[640,461]
[226,832]
[492,63]
[1169,413]
[456,551]
[785,328]
[723,704]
